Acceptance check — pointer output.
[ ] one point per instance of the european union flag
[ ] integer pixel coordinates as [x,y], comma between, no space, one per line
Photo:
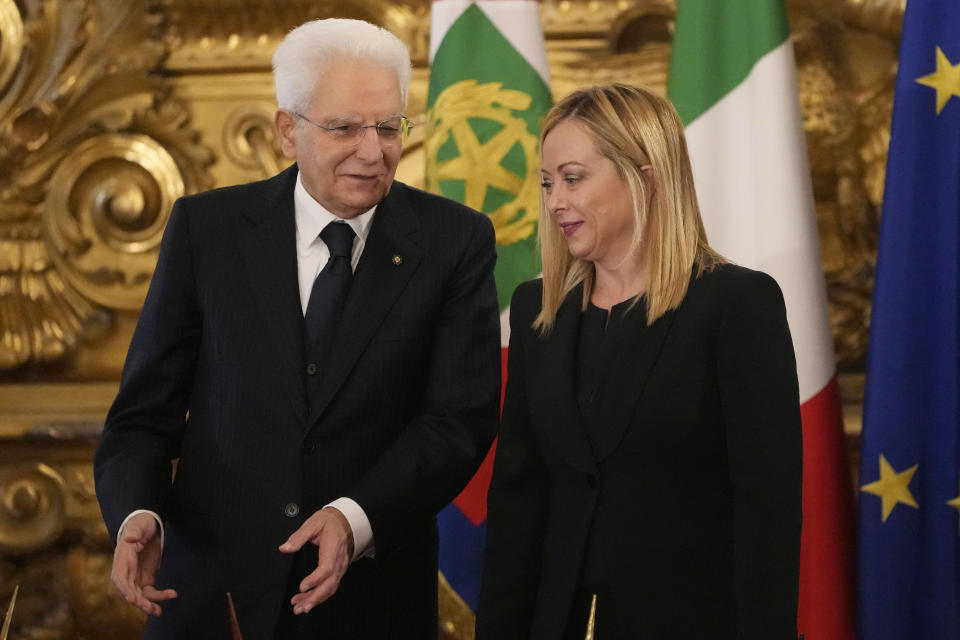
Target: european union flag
[910,470]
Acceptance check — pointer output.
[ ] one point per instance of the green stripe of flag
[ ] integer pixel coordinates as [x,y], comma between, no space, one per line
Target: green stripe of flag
[717,43]
[474,49]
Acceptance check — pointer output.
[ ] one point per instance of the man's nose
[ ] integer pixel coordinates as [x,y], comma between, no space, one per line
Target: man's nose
[370,148]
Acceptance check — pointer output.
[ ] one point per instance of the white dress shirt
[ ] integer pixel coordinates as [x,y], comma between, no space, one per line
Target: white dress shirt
[312,255]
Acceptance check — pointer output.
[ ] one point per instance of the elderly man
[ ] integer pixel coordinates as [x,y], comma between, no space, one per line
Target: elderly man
[320,352]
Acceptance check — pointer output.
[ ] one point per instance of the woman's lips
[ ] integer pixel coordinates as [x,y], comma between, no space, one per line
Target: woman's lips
[570,228]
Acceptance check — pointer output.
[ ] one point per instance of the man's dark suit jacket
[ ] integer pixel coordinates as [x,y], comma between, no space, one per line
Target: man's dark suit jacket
[690,500]
[398,419]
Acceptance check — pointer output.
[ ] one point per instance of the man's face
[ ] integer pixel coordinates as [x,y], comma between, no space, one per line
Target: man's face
[346,177]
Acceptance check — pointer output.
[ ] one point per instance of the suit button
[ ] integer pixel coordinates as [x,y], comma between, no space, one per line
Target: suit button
[291,510]
[311,369]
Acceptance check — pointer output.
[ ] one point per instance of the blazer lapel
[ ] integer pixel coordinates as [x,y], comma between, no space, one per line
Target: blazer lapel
[269,253]
[558,403]
[390,258]
[630,370]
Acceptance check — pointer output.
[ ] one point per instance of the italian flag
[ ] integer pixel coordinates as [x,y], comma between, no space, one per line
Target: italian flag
[733,81]
[489,90]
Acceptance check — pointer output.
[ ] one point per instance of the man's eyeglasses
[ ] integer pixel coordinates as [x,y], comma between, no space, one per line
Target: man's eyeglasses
[389,131]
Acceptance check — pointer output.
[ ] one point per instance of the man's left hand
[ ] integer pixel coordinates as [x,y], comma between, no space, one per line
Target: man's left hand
[330,531]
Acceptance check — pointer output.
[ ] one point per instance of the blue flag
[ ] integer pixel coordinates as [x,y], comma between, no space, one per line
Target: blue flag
[910,465]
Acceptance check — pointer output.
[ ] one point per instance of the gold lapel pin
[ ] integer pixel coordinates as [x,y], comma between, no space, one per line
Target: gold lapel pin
[397,260]
[5,630]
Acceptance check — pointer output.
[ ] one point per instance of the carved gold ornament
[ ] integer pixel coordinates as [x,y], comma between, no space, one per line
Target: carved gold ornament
[93,152]
[104,215]
[249,140]
[11,40]
[479,160]
[32,507]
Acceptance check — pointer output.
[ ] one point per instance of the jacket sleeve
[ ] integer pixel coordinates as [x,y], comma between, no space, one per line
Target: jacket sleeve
[440,449]
[141,435]
[516,504]
[761,414]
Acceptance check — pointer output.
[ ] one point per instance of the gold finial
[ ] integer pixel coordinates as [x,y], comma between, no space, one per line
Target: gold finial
[5,630]
[592,619]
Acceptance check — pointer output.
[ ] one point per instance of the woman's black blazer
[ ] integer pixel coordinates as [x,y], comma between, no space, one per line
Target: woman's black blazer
[691,492]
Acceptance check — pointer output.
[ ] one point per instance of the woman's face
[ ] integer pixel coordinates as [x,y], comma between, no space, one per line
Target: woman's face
[585,196]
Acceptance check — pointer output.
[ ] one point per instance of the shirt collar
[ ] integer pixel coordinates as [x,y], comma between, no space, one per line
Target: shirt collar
[312,217]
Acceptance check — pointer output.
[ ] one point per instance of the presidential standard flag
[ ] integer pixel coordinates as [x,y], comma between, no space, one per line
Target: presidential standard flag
[489,89]
[732,79]
[910,462]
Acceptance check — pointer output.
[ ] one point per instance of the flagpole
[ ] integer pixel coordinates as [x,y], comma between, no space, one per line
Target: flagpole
[5,630]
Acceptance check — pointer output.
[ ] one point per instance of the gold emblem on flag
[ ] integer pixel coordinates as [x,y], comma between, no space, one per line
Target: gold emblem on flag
[480,163]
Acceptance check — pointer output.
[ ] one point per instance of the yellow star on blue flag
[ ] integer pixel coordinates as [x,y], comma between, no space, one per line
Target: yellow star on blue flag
[892,487]
[946,80]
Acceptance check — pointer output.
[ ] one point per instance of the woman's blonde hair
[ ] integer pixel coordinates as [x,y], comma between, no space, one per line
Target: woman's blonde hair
[633,127]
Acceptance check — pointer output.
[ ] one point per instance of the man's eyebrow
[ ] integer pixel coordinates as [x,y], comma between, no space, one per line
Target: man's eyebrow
[352,118]
[343,118]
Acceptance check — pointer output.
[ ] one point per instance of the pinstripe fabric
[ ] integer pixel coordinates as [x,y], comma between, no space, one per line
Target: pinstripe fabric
[405,412]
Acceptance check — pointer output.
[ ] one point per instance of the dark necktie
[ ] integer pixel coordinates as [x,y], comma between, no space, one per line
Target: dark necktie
[329,293]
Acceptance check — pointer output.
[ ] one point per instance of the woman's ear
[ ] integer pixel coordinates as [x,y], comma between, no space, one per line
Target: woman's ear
[647,172]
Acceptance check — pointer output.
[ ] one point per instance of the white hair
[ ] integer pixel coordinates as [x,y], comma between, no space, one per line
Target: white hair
[298,61]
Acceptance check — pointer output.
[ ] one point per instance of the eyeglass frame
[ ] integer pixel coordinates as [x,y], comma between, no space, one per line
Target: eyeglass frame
[406,126]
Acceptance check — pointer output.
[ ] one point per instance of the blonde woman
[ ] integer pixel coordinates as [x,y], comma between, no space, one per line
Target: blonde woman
[649,459]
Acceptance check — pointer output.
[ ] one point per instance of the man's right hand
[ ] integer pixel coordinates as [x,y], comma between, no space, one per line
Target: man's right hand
[135,562]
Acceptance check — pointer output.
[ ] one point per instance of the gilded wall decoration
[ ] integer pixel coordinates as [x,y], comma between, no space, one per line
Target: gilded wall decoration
[93,151]
[53,544]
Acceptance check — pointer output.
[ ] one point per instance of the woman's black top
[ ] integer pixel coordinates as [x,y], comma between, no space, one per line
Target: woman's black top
[602,335]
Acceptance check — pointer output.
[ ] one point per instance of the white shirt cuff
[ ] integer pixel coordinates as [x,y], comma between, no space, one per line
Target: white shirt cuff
[359,524]
[138,512]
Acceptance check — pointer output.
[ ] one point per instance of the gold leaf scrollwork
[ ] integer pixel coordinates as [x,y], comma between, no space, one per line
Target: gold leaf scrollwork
[32,507]
[94,149]
[249,139]
[105,212]
[11,40]
[41,317]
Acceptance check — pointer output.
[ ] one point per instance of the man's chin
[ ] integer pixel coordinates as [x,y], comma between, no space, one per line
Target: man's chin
[354,207]
[363,199]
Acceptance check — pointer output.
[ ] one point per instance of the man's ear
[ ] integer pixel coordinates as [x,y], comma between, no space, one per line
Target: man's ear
[286,125]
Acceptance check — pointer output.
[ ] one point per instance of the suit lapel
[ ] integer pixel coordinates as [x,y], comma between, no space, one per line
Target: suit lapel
[629,372]
[558,405]
[390,257]
[269,253]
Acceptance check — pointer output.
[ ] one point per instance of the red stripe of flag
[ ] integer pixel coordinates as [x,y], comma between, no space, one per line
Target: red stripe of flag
[472,501]
[826,549]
